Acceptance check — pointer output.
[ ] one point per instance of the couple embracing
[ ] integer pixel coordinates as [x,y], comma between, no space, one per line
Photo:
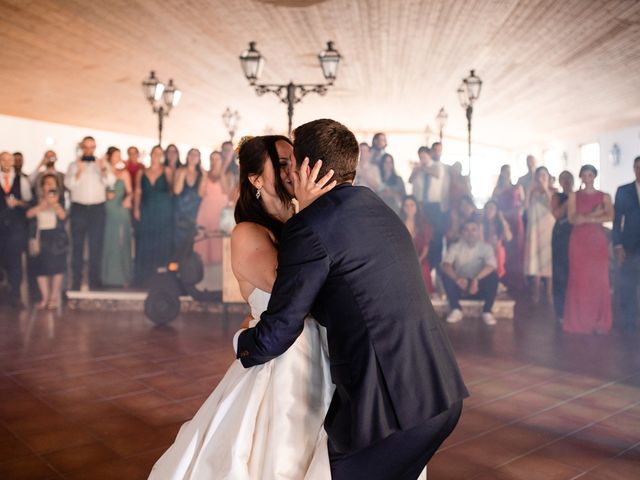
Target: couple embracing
[344,371]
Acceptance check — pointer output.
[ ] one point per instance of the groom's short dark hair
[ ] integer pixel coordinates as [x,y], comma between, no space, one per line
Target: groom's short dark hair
[331,142]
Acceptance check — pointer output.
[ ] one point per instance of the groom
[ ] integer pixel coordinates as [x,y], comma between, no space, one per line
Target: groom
[350,261]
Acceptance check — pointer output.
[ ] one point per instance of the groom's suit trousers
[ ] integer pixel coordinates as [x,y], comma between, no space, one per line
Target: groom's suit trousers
[401,456]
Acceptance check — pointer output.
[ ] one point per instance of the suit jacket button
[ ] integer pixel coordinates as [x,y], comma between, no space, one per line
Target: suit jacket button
[244,353]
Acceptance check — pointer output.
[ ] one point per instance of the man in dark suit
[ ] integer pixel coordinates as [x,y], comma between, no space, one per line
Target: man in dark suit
[626,243]
[350,261]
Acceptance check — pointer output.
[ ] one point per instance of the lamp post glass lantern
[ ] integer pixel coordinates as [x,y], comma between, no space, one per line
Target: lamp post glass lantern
[231,121]
[468,94]
[441,121]
[252,63]
[162,98]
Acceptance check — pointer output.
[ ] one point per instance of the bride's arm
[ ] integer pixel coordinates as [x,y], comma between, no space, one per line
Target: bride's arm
[253,256]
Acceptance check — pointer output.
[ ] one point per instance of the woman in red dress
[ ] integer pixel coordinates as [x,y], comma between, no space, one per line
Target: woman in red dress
[421,232]
[510,200]
[588,303]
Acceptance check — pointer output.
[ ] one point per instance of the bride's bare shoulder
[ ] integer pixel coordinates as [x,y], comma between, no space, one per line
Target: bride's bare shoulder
[249,232]
[248,238]
[253,256]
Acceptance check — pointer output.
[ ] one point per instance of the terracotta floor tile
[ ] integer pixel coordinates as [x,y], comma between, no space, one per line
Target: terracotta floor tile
[604,401]
[166,415]
[78,394]
[193,404]
[82,457]
[51,440]
[21,406]
[164,380]
[502,445]
[185,390]
[621,389]
[553,423]
[581,453]
[453,466]
[117,389]
[141,441]
[537,467]
[26,468]
[110,470]
[80,412]
[624,467]
[140,402]
[12,448]
[42,421]
[148,459]
[111,392]
[472,423]
[118,426]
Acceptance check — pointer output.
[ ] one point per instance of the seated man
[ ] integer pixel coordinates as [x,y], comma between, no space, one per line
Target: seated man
[469,271]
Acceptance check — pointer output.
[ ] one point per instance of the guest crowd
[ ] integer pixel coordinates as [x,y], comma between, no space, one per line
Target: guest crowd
[122,221]
[529,237]
[115,218]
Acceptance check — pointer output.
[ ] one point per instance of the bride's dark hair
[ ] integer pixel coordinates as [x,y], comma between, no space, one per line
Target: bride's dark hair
[252,156]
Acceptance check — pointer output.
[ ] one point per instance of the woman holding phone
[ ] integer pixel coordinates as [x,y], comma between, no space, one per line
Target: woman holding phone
[50,245]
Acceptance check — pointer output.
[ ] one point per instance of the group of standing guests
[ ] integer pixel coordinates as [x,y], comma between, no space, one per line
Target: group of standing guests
[436,189]
[549,240]
[132,219]
[558,238]
[151,214]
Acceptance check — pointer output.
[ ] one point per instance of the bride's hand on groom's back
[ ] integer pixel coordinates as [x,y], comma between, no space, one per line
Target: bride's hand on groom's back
[306,186]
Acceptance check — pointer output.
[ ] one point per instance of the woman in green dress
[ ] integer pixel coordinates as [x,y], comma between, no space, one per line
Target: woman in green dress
[116,254]
[153,209]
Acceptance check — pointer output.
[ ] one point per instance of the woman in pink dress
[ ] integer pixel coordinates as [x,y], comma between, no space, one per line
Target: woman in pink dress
[214,200]
[588,303]
[510,200]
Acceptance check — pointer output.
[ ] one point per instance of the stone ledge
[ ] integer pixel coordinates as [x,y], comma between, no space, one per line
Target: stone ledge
[502,308]
[123,301]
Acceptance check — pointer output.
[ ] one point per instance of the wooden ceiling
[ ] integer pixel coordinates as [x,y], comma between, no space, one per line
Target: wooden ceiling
[551,69]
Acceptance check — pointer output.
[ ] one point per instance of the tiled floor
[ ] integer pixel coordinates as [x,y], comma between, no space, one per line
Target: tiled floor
[101,395]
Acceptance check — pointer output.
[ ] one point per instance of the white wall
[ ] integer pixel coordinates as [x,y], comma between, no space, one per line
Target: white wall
[628,140]
[611,176]
[33,138]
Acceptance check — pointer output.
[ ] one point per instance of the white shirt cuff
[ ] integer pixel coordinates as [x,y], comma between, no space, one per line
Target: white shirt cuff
[235,339]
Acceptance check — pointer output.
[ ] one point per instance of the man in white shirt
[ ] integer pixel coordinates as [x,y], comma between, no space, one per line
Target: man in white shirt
[87,180]
[47,166]
[15,197]
[469,271]
[436,201]
[526,180]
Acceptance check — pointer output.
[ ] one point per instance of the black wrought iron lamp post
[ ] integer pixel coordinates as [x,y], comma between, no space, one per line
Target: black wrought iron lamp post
[291,93]
[162,98]
[468,94]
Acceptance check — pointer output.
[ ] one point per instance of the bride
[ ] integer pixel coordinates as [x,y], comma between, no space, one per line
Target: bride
[264,422]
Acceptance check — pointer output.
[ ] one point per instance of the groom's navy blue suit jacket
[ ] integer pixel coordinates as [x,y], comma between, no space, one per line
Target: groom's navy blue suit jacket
[350,261]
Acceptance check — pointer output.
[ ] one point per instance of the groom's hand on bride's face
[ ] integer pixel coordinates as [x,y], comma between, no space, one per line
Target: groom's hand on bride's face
[305,184]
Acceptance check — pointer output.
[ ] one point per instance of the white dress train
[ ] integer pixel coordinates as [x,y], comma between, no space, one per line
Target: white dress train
[260,423]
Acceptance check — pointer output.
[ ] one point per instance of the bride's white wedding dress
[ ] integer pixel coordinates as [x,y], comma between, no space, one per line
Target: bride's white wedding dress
[260,423]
